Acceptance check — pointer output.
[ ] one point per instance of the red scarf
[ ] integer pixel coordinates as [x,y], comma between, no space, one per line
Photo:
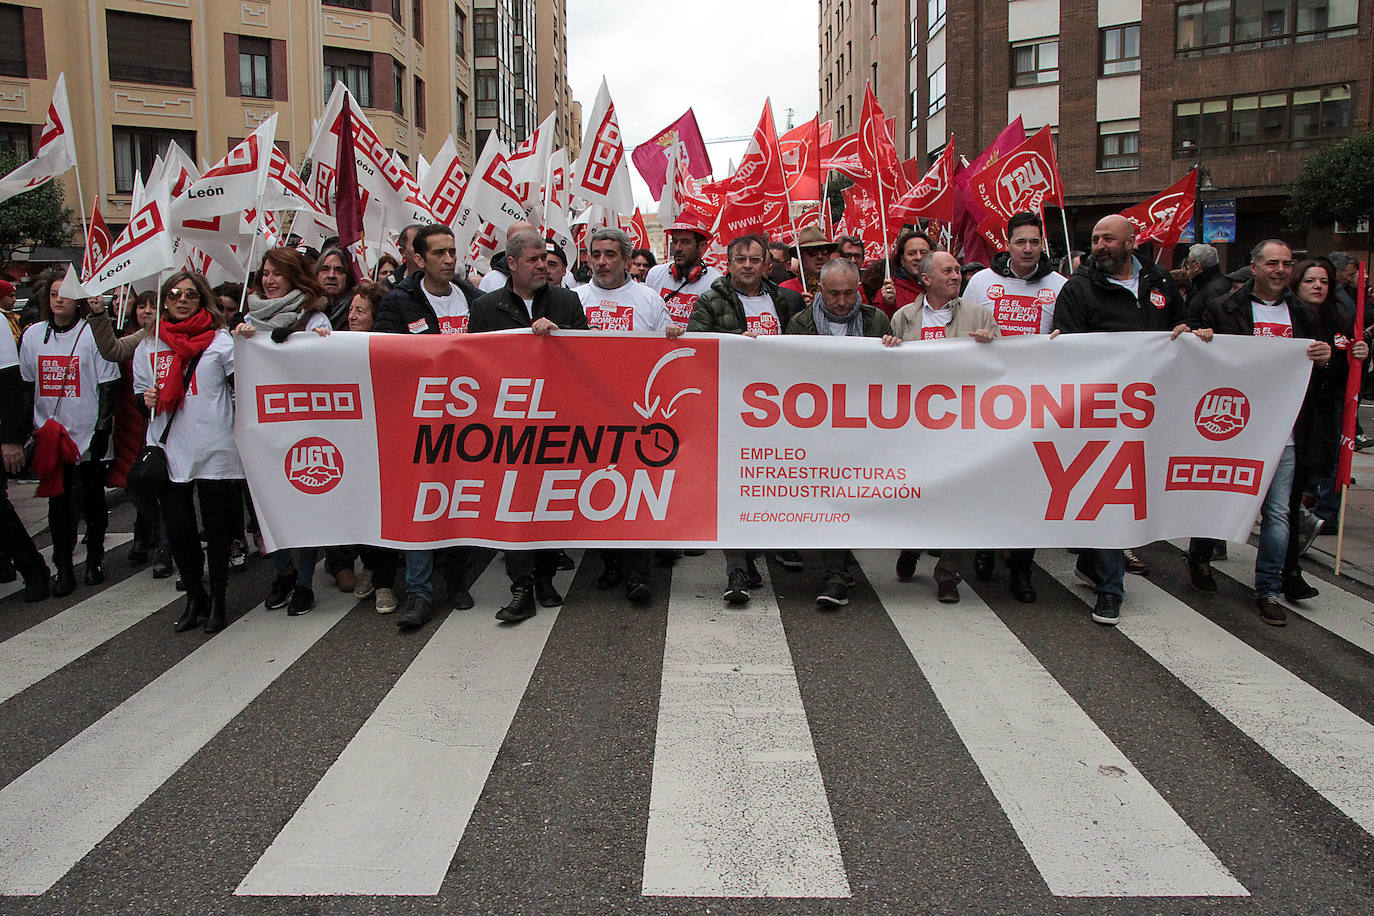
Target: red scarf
[186,339]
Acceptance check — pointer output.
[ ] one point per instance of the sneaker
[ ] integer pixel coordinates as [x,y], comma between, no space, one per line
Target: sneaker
[638,591]
[280,592]
[1296,588]
[364,588]
[906,564]
[1107,611]
[751,569]
[302,600]
[947,592]
[346,580]
[521,606]
[1309,526]
[386,601]
[238,554]
[1200,575]
[1271,612]
[565,562]
[546,594]
[790,559]
[835,594]
[736,587]
[1134,565]
[416,612]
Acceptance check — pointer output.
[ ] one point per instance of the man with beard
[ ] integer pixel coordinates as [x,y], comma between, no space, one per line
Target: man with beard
[680,282]
[331,270]
[642,261]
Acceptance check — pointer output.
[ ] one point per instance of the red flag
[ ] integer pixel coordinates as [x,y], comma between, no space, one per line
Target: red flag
[967,212]
[842,156]
[861,216]
[801,160]
[651,156]
[1162,218]
[933,196]
[1023,181]
[994,232]
[348,205]
[98,243]
[1352,395]
[756,199]
[877,152]
[635,229]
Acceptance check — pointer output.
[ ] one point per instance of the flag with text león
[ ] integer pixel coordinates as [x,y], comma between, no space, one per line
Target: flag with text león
[142,249]
[56,148]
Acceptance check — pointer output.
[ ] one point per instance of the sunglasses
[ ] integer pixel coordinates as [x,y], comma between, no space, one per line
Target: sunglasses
[187,295]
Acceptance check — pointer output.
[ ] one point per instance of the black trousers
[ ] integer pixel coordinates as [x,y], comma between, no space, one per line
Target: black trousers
[14,537]
[217,505]
[382,561]
[84,497]
[524,566]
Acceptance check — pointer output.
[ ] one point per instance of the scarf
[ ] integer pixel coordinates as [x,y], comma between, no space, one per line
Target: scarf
[53,450]
[271,314]
[186,339]
[853,322]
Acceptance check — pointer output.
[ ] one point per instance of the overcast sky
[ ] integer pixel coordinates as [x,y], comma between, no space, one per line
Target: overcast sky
[722,60]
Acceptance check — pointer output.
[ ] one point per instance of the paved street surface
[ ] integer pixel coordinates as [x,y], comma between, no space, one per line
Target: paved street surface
[895,756]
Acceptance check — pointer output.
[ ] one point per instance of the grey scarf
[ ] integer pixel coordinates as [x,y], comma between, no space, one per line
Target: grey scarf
[853,322]
[271,314]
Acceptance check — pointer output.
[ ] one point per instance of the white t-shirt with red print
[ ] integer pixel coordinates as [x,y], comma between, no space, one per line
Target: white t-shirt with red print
[451,310]
[679,297]
[66,360]
[1018,306]
[629,307]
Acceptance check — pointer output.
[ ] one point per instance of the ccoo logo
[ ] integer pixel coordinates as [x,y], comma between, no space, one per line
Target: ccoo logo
[1222,414]
[314,466]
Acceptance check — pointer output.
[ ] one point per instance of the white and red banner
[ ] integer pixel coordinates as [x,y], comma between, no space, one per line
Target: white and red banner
[56,148]
[142,249]
[529,162]
[508,439]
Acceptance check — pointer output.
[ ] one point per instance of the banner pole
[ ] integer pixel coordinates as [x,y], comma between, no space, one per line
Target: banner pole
[1068,240]
[1340,528]
[81,202]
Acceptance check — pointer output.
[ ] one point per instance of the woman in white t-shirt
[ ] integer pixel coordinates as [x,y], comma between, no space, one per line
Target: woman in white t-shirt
[193,406]
[77,386]
[288,299]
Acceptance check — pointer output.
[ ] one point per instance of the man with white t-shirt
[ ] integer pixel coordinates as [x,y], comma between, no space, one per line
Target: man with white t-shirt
[429,301]
[1020,289]
[680,282]
[614,301]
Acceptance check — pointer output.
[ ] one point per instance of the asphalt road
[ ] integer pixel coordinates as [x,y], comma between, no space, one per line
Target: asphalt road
[896,755]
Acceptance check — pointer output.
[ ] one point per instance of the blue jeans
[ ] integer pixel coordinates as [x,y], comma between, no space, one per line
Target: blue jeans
[419,572]
[1108,570]
[299,562]
[1273,539]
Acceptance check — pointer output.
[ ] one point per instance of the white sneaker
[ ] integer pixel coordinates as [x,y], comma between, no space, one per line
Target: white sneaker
[364,586]
[386,601]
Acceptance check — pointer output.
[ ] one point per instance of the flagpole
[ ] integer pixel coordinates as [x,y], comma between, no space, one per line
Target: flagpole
[248,269]
[1068,240]
[796,240]
[81,202]
[548,180]
[1340,526]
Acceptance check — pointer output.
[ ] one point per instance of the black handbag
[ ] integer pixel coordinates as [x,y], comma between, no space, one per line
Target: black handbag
[148,476]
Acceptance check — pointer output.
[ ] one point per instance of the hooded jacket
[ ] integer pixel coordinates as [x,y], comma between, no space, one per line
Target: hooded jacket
[1020,306]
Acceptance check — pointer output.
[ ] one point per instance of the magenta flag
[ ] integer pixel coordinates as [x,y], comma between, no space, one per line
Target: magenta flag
[651,156]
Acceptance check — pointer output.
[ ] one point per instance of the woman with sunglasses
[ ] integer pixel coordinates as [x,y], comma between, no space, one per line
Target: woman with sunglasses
[185,372]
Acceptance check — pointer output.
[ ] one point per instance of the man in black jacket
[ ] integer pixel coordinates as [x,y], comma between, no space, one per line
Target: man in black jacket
[429,301]
[1116,288]
[1208,282]
[18,556]
[528,301]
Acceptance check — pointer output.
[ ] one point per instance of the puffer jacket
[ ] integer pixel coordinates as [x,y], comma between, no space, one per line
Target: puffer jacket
[720,310]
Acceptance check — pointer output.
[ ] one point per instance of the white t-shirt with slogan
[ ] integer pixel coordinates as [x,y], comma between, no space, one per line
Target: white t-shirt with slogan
[1271,320]
[451,310]
[934,322]
[1018,306]
[631,306]
[760,316]
[201,443]
[680,296]
[67,360]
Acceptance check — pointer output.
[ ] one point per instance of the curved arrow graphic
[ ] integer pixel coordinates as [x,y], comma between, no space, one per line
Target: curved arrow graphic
[647,409]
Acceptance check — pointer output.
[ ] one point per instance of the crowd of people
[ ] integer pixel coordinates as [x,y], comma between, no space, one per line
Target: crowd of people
[81,397]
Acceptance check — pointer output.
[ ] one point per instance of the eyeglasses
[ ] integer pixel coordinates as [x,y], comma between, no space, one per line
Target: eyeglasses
[188,295]
[745,259]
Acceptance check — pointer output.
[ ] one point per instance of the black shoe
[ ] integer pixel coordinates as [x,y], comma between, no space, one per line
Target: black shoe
[983,563]
[196,611]
[302,600]
[64,580]
[947,592]
[1200,575]
[790,559]
[1296,588]
[546,594]
[565,562]
[1084,571]
[280,593]
[215,621]
[162,566]
[95,569]
[1271,612]
[37,586]
[1019,582]
[180,584]
[834,595]
[521,606]
[638,591]
[736,586]
[1107,611]
[138,554]
[461,599]
[906,564]
[415,612]
[1219,552]
[751,572]
[610,577]
[7,571]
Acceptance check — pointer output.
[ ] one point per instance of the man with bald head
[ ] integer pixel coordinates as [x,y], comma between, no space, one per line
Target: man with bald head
[1116,288]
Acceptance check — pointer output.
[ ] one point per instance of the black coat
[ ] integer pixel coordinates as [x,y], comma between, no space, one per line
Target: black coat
[1089,301]
[502,310]
[407,303]
[1208,286]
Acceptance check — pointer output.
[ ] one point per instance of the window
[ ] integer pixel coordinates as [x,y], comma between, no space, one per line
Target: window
[937,90]
[13,61]
[417,20]
[255,69]
[1276,120]
[396,11]
[16,139]
[353,69]
[419,103]
[349,4]
[849,54]
[148,49]
[462,125]
[1035,64]
[135,148]
[935,16]
[1121,49]
[398,86]
[1223,26]
[460,33]
[488,103]
[1118,145]
[484,33]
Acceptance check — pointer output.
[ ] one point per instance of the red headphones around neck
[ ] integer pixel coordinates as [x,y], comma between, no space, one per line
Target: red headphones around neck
[693,275]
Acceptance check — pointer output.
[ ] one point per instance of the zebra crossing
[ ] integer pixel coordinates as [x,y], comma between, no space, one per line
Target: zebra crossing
[985,756]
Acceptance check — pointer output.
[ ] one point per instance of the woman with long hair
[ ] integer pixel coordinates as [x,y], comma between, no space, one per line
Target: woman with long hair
[73,410]
[185,373]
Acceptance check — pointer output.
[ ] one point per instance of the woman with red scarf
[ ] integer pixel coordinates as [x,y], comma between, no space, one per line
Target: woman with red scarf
[186,374]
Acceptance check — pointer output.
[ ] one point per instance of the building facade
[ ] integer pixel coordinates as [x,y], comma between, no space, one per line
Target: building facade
[204,74]
[1136,93]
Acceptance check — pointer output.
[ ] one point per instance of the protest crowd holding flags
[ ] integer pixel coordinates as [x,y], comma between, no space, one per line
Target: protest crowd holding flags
[958,250]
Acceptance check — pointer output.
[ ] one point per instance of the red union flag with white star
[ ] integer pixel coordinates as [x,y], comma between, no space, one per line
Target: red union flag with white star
[56,151]
[602,176]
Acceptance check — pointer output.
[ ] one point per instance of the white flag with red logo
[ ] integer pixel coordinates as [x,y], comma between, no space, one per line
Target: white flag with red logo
[555,212]
[633,226]
[933,196]
[232,185]
[284,189]
[484,245]
[491,190]
[602,175]
[56,149]
[98,242]
[175,170]
[529,162]
[445,186]
[142,249]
